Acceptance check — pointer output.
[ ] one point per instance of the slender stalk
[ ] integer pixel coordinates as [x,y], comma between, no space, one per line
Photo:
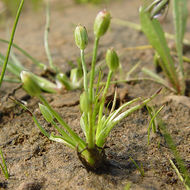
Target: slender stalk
[4,166]
[84,71]
[91,143]
[96,42]
[11,41]
[75,137]
[103,100]
[90,139]
[64,134]
[141,170]
[46,45]
[179,175]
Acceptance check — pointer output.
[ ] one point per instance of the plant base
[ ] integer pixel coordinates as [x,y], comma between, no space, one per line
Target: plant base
[97,155]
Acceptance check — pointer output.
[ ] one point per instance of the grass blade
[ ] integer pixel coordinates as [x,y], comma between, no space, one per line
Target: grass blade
[178,174]
[158,79]
[141,170]
[174,151]
[152,121]
[155,35]
[4,166]
[11,41]
[46,45]
[180,14]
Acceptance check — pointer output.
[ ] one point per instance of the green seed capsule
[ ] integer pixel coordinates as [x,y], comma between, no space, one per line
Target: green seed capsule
[29,84]
[112,59]
[101,23]
[81,37]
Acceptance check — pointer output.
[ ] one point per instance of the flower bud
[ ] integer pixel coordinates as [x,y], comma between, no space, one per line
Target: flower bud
[81,37]
[101,23]
[84,102]
[29,83]
[112,59]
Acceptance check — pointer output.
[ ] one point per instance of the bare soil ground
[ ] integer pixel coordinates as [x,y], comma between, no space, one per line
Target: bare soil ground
[35,163]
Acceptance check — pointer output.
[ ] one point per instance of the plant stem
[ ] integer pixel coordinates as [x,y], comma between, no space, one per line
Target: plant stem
[91,143]
[84,71]
[103,101]
[11,41]
[4,166]
[46,45]
[93,67]
[75,137]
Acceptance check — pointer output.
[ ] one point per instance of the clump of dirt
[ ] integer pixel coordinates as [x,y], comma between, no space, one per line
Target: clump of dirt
[35,163]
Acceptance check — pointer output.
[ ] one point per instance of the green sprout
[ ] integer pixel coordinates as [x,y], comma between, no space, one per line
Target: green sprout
[183,172]
[3,166]
[140,168]
[153,124]
[153,30]
[13,65]
[95,123]
[11,41]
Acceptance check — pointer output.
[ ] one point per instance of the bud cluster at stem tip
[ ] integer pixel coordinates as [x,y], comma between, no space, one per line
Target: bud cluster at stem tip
[81,37]
[112,59]
[101,23]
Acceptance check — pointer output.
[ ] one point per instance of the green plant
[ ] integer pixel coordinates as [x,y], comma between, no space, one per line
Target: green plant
[12,64]
[11,41]
[140,168]
[155,34]
[59,79]
[179,175]
[153,124]
[156,122]
[185,178]
[95,124]
[3,166]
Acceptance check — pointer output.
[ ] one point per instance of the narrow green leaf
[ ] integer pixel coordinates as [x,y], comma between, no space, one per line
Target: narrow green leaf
[61,139]
[140,168]
[11,41]
[113,120]
[46,113]
[155,35]
[74,136]
[152,121]
[4,166]
[158,79]
[180,14]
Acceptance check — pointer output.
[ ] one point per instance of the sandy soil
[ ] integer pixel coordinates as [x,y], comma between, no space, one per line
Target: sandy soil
[35,163]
